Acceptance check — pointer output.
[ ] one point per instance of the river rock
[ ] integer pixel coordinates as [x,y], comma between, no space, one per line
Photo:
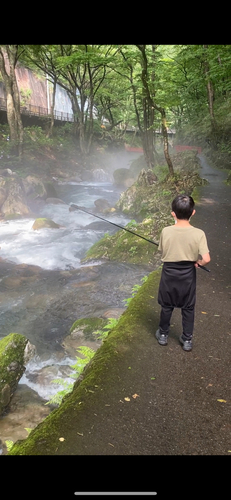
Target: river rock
[14,196]
[34,186]
[81,334]
[12,352]
[3,195]
[44,222]
[25,411]
[146,178]
[55,201]
[123,177]
[102,205]
[6,172]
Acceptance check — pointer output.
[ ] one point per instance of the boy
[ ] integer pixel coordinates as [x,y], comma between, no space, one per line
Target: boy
[181,245]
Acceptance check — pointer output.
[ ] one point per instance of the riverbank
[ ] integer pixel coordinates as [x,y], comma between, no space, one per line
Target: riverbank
[139,398]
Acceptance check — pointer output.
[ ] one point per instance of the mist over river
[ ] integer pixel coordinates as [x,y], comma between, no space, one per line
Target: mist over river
[44,288]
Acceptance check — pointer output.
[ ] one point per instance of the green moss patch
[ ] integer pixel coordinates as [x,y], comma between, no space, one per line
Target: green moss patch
[99,377]
[12,349]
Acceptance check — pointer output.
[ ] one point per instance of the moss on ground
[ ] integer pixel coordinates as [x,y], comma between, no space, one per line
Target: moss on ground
[98,374]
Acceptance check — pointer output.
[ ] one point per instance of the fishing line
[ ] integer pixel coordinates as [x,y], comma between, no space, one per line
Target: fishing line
[126,229]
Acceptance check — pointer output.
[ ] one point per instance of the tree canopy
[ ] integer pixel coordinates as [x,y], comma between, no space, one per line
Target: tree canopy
[149,87]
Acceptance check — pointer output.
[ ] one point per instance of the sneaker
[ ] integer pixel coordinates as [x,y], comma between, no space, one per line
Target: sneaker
[187,344]
[161,337]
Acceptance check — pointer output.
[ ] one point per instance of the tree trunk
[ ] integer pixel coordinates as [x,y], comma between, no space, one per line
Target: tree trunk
[165,137]
[50,131]
[8,54]
[153,105]
[210,92]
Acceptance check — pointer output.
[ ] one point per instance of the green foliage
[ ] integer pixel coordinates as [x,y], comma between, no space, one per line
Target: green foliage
[109,80]
[35,138]
[9,444]
[133,250]
[25,96]
[135,290]
[86,355]
[79,366]
[58,397]
[131,224]
[101,334]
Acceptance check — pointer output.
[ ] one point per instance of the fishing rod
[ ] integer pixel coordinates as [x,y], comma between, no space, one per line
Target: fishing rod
[126,229]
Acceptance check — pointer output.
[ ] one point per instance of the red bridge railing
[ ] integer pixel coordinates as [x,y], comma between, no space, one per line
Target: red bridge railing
[182,148]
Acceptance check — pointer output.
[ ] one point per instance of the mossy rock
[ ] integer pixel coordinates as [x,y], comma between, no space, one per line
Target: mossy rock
[123,177]
[150,203]
[12,352]
[44,222]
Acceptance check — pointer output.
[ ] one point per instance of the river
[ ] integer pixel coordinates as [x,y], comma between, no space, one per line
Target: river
[44,288]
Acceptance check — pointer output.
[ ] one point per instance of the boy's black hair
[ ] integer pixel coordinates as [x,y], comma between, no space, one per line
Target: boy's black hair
[183,206]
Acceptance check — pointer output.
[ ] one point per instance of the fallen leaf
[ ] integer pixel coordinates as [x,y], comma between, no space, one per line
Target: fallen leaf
[221,400]
[153,378]
[127,399]
[61,439]
[135,396]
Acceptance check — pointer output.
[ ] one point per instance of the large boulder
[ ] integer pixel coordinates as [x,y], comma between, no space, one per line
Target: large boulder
[123,177]
[34,187]
[103,205]
[13,196]
[41,223]
[15,351]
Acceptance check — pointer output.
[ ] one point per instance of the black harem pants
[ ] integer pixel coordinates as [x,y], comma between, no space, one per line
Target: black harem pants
[177,288]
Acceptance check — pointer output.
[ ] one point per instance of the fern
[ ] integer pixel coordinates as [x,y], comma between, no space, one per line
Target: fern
[101,334]
[134,291]
[56,399]
[88,353]
[9,444]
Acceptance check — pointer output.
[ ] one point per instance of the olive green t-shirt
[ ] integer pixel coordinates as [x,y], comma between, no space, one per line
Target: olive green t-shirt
[182,243]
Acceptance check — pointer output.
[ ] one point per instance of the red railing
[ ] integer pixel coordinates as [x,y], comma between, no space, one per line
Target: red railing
[130,148]
[183,148]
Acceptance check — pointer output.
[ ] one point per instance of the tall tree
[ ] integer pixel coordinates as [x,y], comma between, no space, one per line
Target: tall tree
[149,98]
[8,59]
[80,70]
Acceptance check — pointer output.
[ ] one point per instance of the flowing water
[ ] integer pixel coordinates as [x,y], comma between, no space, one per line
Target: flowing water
[44,288]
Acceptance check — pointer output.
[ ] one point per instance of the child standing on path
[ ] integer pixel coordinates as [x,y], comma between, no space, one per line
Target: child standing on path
[183,247]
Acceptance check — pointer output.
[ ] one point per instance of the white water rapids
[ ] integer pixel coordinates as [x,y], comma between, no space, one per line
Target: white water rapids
[59,248]
[44,309]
